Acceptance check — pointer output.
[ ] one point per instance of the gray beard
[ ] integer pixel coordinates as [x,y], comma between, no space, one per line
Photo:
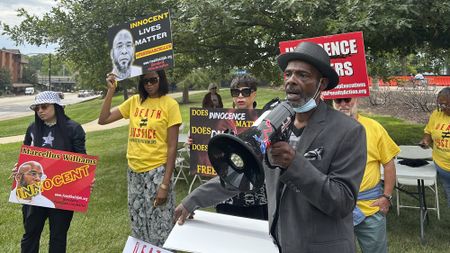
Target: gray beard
[299,104]
[122,73]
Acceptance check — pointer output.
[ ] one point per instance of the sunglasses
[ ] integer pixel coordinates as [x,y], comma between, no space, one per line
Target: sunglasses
[244,91]
[340,100]
[151,80]
[42,106]
[443,106]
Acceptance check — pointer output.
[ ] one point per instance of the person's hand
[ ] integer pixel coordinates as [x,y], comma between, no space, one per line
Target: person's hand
[92,185]
[111,81]
[281,154]
[383,203]
[13,171]
[181,213]
[424,144]
[426,141]
[189,141]
[161,196]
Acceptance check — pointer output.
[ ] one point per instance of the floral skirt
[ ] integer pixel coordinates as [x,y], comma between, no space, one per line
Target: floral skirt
[148,223]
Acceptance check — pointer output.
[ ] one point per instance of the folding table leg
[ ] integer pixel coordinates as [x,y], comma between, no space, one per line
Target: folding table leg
[193,181]
[423,211]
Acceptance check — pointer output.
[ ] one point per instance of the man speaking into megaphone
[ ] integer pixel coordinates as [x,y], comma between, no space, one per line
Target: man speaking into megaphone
[313,188]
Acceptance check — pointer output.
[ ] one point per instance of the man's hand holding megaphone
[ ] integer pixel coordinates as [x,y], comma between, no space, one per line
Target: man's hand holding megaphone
[280,154]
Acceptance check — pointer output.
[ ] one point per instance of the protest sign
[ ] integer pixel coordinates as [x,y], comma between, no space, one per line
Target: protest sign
[206,123]
[134,245]
[347,57]
[141,46]
[53,178]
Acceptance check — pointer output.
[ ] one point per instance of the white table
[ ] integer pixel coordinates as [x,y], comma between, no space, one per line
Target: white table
[422,173]
[212,232]
[414,152]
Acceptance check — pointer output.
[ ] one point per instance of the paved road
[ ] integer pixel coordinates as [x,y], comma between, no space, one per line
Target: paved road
[19,106]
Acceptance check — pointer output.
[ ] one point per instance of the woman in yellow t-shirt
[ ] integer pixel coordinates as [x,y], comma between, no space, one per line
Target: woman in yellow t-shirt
[437,136]
[151,152]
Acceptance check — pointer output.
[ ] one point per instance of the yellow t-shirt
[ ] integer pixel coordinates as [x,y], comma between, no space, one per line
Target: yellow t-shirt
[380,150]
[147,136]
[439,128]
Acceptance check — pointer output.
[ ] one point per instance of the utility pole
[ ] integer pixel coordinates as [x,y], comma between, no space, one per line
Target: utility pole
[49,71]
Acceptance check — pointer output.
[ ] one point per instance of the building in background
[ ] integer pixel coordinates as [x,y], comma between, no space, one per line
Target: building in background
[14,61]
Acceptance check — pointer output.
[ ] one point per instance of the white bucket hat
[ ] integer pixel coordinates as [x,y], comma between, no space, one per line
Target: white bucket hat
[212,86]
[46,97]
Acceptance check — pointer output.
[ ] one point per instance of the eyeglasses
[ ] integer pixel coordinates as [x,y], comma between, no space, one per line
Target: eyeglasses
[151,80]
[443,106]
[244,91]
[42,106]
[340,100]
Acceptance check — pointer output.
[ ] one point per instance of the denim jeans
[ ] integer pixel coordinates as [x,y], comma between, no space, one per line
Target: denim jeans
[444,176]
[371,234]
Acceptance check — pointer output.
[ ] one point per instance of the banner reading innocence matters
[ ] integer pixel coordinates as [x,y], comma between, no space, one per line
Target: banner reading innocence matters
[347,57]
[206,123]
[141,46]
[53,178]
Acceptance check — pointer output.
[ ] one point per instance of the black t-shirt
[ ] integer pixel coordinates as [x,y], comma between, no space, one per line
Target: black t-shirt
[51,140]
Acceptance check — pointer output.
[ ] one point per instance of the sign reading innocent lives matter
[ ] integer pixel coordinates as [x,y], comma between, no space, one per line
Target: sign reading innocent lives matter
[134,245]
[141,46]
[205,124]
[347,57]
[53,178]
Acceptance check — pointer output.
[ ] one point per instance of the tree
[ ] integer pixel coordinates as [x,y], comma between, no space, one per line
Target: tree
[197,78]
[245,34]
[222,35]
[29,75]
[5,79]
[390,26]
[79,27]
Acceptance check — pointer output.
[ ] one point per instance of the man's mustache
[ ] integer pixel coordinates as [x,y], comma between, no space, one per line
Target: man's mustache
[299,92]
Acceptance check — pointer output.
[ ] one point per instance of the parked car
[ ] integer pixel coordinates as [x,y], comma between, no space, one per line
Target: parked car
[83,93]
[29,91]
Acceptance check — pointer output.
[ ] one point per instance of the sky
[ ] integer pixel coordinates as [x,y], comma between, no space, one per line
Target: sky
[8,15]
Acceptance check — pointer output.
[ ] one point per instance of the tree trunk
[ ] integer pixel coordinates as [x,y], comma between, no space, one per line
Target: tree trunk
[125,94]
[186,94]
[404,63]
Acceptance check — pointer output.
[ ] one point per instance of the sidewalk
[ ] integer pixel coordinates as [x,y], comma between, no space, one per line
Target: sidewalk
[90,126]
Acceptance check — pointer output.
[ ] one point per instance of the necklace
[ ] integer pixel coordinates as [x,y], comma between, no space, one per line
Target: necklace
[50,124]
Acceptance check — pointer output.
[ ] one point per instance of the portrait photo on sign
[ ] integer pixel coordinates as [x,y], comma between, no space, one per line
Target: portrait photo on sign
[122,55]
[28,186]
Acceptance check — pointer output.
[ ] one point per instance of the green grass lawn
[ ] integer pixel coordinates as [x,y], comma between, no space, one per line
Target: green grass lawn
[105,227]
[403,133]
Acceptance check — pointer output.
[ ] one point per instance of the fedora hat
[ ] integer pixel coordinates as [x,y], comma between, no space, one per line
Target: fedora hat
[46,97]
[313,54]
